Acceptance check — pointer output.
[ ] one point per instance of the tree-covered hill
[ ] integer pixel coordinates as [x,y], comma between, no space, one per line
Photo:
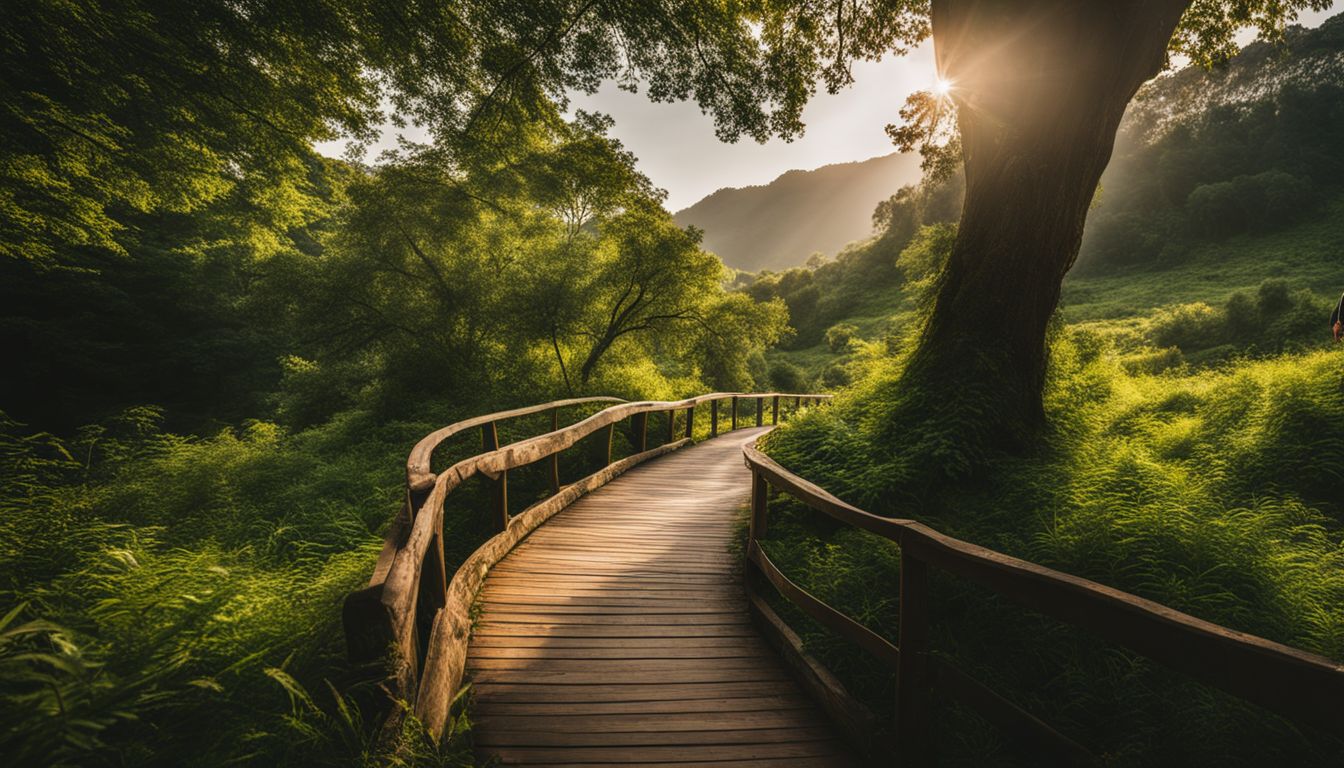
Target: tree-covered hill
[1214,188]
[781,224]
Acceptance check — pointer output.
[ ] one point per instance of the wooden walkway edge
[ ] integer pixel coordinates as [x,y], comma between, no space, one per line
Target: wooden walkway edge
[619,634]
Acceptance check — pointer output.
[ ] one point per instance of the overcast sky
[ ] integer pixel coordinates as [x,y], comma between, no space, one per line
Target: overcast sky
[677,148]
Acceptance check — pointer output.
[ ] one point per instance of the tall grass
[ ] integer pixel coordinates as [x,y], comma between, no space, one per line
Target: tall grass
[171,600]
[1217,491]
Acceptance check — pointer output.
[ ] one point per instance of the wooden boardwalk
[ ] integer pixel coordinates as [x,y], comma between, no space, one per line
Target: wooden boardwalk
[618,633]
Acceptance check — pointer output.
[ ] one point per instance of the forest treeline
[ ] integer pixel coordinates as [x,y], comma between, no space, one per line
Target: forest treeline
[222,344]
[171,236]
[558,273]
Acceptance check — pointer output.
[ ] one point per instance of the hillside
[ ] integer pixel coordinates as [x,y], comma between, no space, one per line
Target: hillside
[1221,179]
[779,225]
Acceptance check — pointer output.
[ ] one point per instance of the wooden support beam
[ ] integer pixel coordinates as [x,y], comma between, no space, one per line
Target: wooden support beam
[774,410]
[760,411]
[555,457]
[640,424]
[760,496]
[690,422]
[734,412]
[499,500]
[489,437]
[912,684]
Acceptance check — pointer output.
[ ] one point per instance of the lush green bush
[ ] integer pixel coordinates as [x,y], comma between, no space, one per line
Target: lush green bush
[1274,319]
[787,377]
[1219,492]
[172,600]
[839,335]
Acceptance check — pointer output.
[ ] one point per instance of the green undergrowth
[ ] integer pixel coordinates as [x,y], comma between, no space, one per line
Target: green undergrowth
[1217,490]
[176,601]
[169,600]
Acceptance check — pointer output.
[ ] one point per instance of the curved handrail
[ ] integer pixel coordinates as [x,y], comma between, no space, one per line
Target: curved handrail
[1296,684]
[420,476]
[410,602]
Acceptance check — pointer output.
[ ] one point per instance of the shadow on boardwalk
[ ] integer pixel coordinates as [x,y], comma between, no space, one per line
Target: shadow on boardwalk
[618,633]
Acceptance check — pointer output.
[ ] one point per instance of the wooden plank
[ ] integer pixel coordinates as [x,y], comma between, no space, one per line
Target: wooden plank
[584,694]
[586,603]
[442,673]
[662,652]
[566,735]
[827,761]
[620,669]
[644,722]
[544,629]
[744,704]
[699,708]
[638,755]
[619,633]
[655,644]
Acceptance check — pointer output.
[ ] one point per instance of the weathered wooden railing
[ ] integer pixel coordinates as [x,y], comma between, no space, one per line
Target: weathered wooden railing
[1300,686]
[411,610]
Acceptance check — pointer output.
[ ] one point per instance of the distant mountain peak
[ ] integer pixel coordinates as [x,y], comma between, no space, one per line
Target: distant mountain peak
[779,225]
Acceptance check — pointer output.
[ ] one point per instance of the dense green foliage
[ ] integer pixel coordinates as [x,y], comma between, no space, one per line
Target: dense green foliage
[1216,492]
[170,574]
[1237,166]
[1194,452]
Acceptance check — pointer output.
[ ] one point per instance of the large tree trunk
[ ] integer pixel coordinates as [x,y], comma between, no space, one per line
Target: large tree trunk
[1040,87]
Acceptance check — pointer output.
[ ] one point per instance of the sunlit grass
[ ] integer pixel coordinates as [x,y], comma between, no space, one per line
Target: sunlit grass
[1219,492]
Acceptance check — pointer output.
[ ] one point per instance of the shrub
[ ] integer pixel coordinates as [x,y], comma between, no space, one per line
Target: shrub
[1154,361]
[835,376]
[1215,209]
[1188,326]
[1273,298]
[929,249]
[787,377]
[838,336]
[1242,315]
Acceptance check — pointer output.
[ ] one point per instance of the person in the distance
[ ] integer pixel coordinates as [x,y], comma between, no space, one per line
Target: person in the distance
[1337,319]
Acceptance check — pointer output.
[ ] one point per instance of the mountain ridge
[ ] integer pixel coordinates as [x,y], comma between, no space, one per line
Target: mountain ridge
[780,224]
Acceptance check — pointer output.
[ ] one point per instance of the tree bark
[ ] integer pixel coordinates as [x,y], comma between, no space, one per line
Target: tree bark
[1040,87]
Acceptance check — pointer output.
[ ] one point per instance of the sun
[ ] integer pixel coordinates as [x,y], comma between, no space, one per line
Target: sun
[942,88]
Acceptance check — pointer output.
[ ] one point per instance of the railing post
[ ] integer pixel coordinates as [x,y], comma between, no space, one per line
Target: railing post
[760,491]
[611,430]
[489,437]
[912,699]
[797,403]
[690,422]
[499,500]
[555,457]
[760,411]
[714,418]
[640,423]
[774,410]
[734,412]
